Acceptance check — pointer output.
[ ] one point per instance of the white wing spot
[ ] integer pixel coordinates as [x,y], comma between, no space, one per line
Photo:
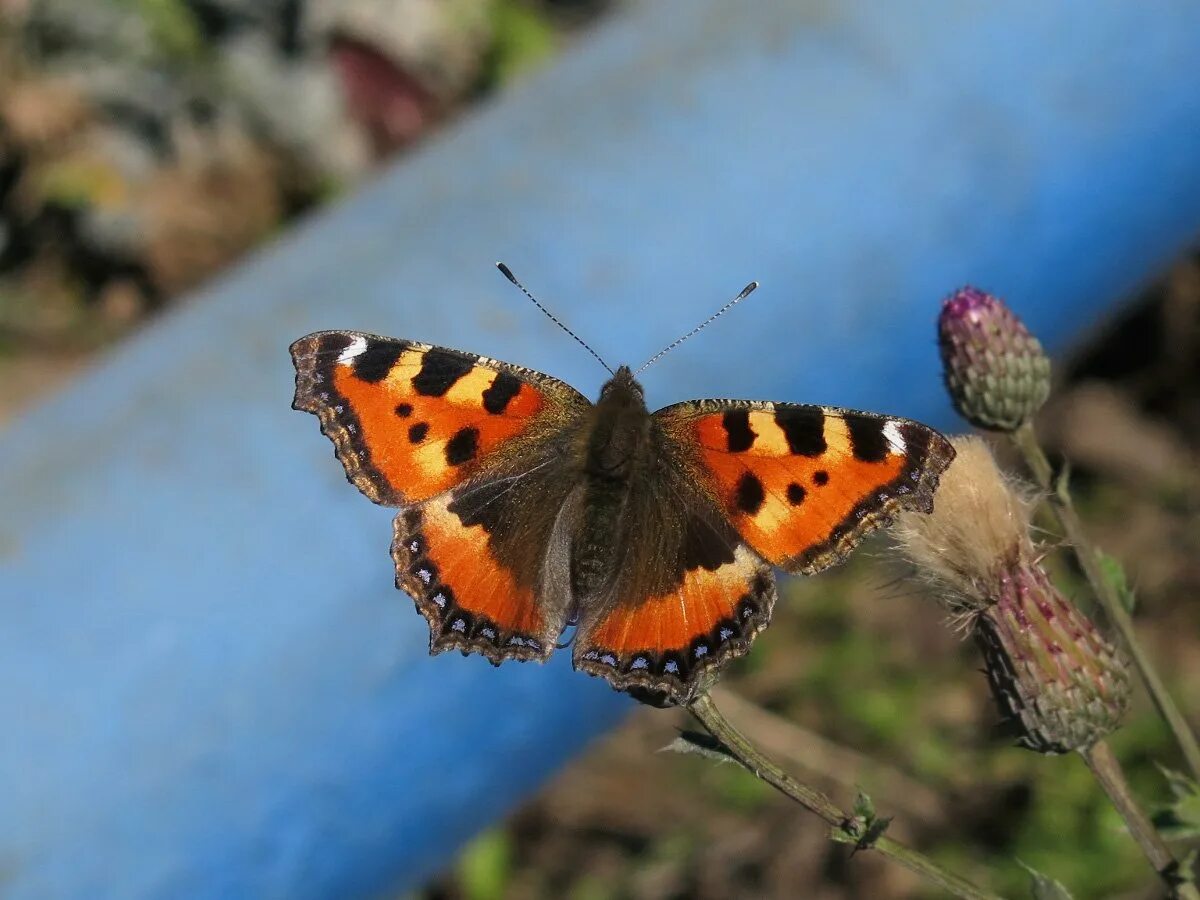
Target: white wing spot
[425,575]
[671,666]
[357,346]
[608,659]
[640,663]
[459,625]
[701,650]
[414,546]
[726,633]
[891,431]
[440,600]
[488,632]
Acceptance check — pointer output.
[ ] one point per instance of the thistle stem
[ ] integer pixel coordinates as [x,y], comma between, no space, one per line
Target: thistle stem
[844,827]
[1099,758]
[1089,560]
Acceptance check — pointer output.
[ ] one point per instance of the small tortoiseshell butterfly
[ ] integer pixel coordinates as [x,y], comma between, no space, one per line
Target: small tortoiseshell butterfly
[525,508]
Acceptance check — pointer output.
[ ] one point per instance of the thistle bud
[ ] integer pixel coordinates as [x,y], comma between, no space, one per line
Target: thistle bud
[996,371]
[1058,682]
[1055,679]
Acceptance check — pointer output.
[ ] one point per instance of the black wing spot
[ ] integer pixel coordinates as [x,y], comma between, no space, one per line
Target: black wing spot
[738,434]
[820,478]
[867,439]
[463,446]
[416,433]
[795,494]
[804,430]
[501,390]
[750,496]
[404,410]
[374,363]
[439,372]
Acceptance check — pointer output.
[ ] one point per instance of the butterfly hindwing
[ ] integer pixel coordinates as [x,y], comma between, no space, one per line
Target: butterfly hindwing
[663,645]
[804,484]
[686,593]
[476,595]
[410,420]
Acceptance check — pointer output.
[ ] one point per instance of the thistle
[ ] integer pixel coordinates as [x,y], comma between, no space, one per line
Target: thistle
[996,371]
[1058,682]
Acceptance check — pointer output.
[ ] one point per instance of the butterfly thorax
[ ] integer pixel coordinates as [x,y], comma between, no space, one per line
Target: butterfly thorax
[620,426]
[615,457]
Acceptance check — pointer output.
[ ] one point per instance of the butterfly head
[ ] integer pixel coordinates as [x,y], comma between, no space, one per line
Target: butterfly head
[622,389]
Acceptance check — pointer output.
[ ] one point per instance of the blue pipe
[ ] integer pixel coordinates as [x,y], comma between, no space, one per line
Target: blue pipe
[209,687]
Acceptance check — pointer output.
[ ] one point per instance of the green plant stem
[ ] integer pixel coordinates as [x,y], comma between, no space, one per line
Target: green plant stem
[845,828]
[1108,772]
[1089,560]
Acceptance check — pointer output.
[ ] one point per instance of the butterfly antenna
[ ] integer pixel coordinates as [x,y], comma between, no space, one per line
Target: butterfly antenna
[507,273]
[746,292]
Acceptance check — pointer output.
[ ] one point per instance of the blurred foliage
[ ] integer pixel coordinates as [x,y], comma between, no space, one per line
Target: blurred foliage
[1043,887]
[522,38]
[485,865]
[173,27]
[1114,574]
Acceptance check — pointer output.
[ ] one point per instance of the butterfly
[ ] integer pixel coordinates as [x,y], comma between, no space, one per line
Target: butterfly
[525,508]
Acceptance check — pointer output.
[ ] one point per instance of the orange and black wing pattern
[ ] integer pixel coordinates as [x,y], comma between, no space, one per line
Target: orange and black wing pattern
[410,420]
[475,596]
[660,647]
[803,485]
[687,593]
[473,451]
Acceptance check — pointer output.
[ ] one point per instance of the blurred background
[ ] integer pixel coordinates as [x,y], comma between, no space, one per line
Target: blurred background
[146,146]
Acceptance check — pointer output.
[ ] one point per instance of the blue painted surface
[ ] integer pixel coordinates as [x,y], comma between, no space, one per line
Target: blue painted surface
[209,687]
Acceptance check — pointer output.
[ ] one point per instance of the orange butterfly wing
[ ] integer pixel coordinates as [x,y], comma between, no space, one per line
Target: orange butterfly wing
[661,646]
[473,450]
[410,420]
[804,484]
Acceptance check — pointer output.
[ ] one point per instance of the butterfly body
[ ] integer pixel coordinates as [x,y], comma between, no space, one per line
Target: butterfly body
[525,508]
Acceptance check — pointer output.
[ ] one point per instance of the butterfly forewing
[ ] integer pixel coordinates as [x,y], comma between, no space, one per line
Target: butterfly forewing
[804,484]
[410,420]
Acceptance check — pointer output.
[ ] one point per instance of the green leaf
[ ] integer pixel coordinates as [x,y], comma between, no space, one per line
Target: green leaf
[1043,887]
[485,866]
[1180,819]
[1114,574]
[866,827]
[864,807]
